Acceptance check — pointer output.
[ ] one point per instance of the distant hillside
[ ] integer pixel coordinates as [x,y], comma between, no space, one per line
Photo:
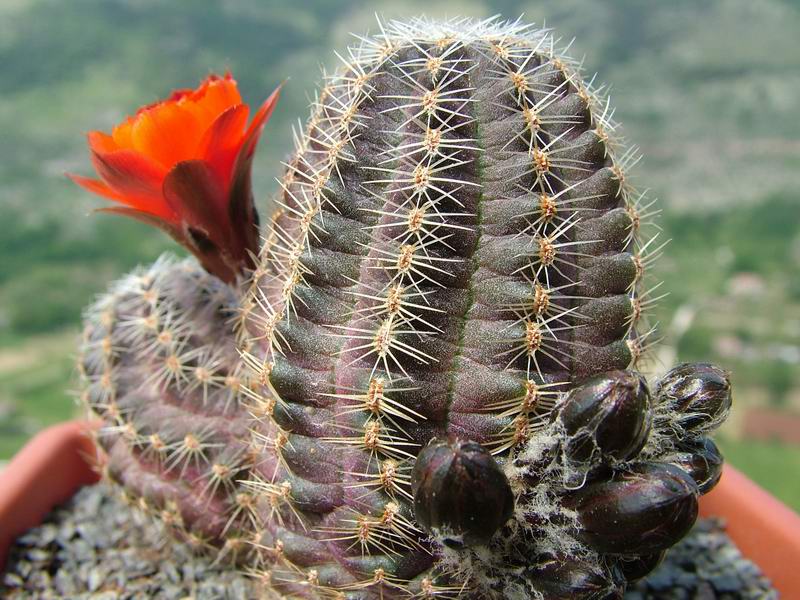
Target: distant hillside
[707,89]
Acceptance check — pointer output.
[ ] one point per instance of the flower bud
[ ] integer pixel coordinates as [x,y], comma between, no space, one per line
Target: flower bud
[701,459]
[693,397]
[573,578]
[642,510]
[607,415]
[460,491]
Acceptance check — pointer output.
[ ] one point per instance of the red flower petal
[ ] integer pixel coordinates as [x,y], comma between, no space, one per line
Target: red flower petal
[241,210]
[221,143]
[166,133]
[146,218]
[241,196]
[193,191]
[215,96]
[97,187]
[101,189]
[263,114]
[102,142]
[134,177]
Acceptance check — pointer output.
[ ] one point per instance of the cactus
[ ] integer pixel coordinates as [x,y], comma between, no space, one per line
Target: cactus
[162,372]
[446,316]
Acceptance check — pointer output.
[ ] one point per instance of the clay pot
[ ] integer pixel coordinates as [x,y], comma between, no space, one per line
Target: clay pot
[765,530]
[51,467]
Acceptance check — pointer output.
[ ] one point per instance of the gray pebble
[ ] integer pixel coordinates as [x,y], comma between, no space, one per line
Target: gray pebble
[98,549]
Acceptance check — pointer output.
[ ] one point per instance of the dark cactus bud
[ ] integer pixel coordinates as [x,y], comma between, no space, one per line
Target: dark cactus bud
[573,578]
[460,491]
[694,396]
[634,568]
[643,510]
[607,415]
[702,460]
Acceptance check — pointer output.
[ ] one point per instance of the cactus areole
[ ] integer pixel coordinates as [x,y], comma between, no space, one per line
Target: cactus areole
[425,384]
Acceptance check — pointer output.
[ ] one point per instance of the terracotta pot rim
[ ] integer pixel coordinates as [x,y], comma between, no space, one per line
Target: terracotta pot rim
[763,528]
[49,469]
[61,459]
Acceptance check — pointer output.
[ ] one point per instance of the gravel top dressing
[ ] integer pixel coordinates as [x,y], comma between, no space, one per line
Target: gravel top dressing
[96,547]
[706,565]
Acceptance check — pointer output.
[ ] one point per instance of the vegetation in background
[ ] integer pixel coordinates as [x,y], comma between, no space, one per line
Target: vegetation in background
[769,465]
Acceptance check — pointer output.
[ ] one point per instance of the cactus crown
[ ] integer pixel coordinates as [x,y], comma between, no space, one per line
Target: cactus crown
[458,245]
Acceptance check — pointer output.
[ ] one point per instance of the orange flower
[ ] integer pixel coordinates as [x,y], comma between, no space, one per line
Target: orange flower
[183,164]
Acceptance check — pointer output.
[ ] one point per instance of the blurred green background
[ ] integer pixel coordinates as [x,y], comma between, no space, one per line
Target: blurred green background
[708,89]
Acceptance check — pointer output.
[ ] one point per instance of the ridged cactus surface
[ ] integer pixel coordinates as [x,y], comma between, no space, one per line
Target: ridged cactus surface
[161,370]
[428,389]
